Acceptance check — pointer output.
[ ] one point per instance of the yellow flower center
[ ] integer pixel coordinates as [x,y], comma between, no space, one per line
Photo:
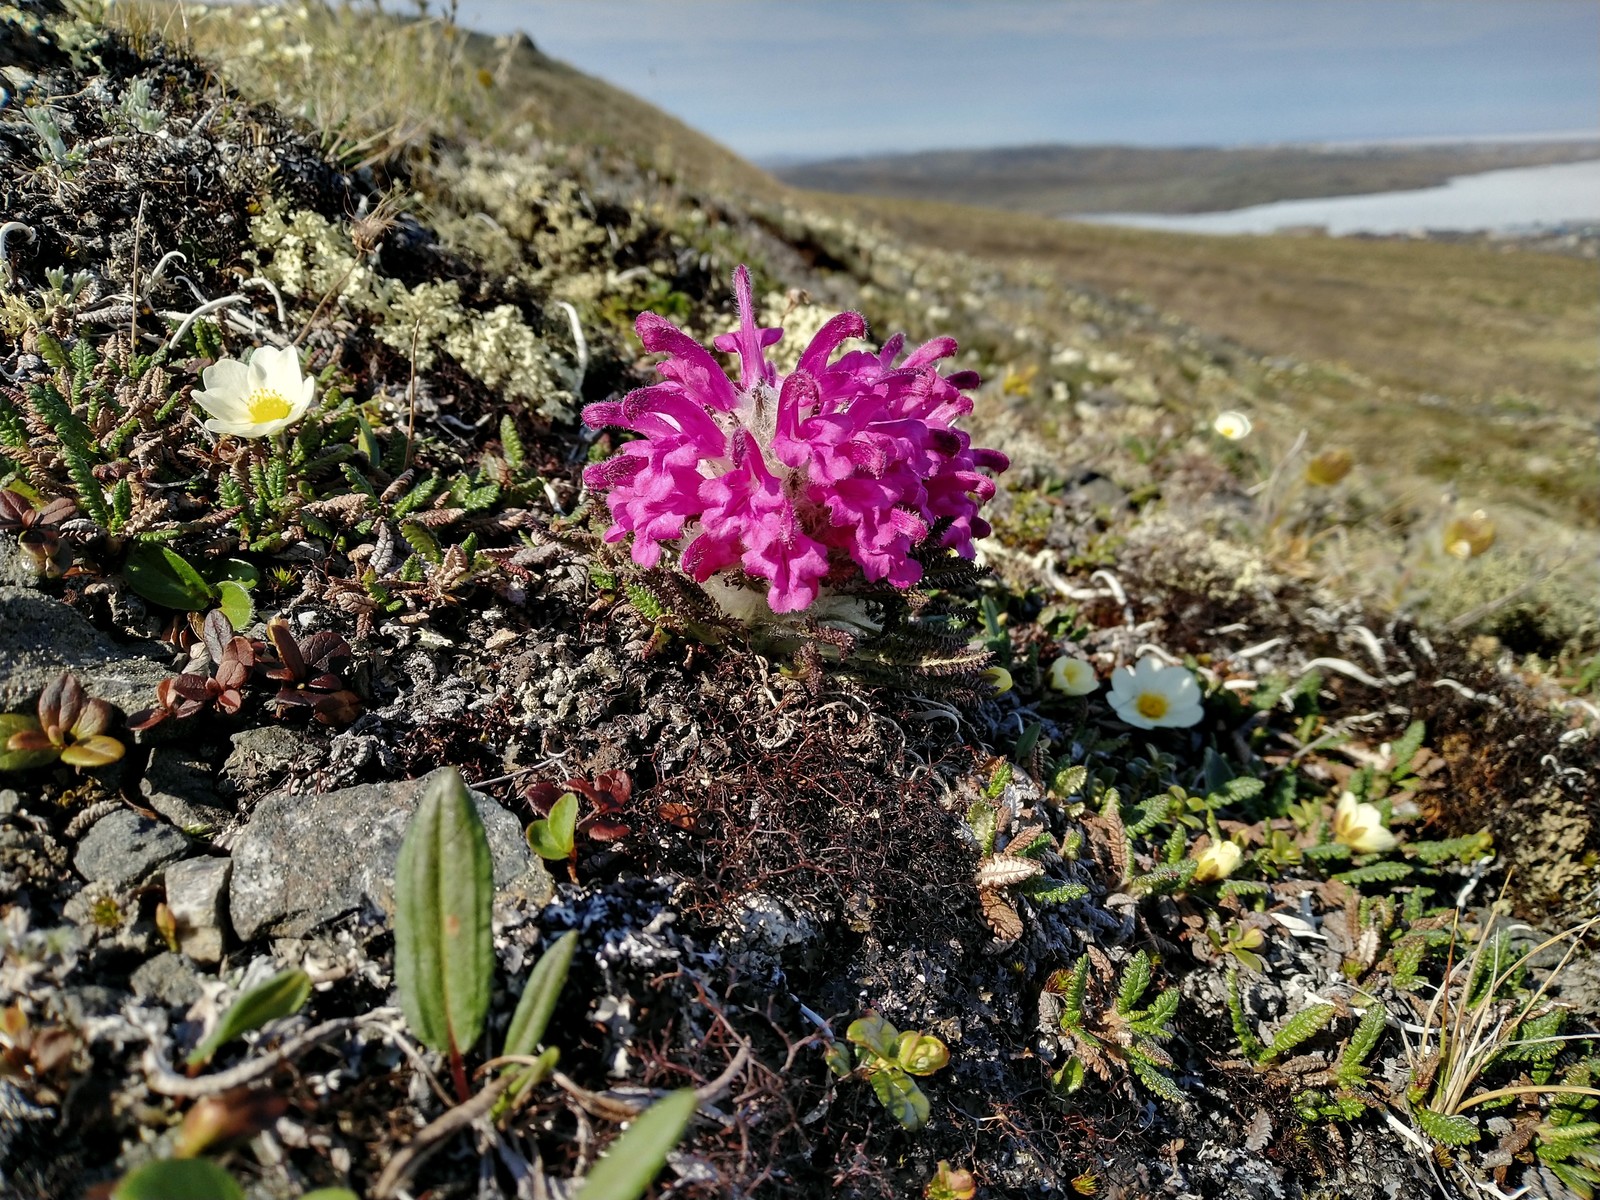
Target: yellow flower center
[266,405]
[1152,705]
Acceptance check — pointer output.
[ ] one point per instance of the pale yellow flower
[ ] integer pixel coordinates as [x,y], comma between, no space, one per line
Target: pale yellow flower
[1359,825]
[1216,862]
[256,398]
[1072,676]
[999,679]
[1469,536]
[1329,467]
[1234,426]
[1151,696]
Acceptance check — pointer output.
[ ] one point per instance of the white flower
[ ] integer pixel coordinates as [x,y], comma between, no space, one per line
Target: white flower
[1234,426]
[1072,676]
[257,398]
[1360,826]
[1217,861]
[1150,696]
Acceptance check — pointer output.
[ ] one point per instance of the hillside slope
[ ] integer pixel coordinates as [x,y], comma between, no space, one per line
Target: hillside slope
[1122,857]
[1063,180]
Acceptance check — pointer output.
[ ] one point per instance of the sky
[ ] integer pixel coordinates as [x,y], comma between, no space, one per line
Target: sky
[786,80]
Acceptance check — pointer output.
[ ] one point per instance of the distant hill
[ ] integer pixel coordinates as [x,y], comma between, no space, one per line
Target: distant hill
[1057,180]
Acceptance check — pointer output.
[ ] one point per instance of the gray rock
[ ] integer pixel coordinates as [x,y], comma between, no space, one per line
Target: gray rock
[306,860]
[15,569]
[261,754]
[123,848]
[43,637]
[167,979]
[197,891]
[180,789]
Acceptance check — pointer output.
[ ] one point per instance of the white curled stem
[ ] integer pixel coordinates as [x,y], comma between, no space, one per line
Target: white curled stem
[580,343]
[8,231]
[210,306]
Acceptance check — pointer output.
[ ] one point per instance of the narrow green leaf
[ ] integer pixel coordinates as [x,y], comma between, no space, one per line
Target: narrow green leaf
[280,996]
[551,837]
[164,577]
[1452,1130]
[331,1194]
[539,996]
[1302,1026]
[178,1179]
[981,819]
[444,897]
[1135,979]
[634,1159]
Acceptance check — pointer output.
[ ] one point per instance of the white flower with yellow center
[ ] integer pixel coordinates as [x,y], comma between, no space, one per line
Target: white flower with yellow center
[1234,426]
[1216,862]
[1359,825]
[1072,676]
[1151,696]
[257,398]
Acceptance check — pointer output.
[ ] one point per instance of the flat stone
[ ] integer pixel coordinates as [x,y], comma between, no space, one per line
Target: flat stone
[197,894]
[306,860]
[43,637]
[259,756]
[181,790]
[124,848]
[167,979]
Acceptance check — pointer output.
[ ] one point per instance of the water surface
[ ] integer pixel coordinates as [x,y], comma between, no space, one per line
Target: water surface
[1565,193]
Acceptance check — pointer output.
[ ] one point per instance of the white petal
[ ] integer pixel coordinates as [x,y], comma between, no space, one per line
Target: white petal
[226,375]
[244,429]
[225,405]
[282,368]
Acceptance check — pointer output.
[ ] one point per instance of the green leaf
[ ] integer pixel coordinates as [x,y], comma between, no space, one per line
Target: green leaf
[981,819]
[635,1158]
[21,760]
[873,1033]
[837,1058]
[422,541]
[280,996]
[1071,1075]
[539,996]
[1157,1080]
[1248,1042]
[1363,1041]
[511,443]
[1378,872]
[444,898]
[900,1095]
[551,837]
[1135,979]
[178,1179]
[1069,781]
[331,1194]
[164,577]
[920,1053]
[234,601]
[368,441]
[1405,749]
[1452,1130]
[1301,1027]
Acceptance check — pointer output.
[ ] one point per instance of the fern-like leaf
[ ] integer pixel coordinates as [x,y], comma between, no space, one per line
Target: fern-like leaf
[1301,1027]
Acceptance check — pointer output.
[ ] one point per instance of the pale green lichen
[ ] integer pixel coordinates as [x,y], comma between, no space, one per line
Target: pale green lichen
[310,258]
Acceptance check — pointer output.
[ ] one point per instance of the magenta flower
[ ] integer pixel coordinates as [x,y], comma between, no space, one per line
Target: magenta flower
[794,478]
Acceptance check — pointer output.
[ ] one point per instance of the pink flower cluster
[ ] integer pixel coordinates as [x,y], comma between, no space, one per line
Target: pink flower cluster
[791,477]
